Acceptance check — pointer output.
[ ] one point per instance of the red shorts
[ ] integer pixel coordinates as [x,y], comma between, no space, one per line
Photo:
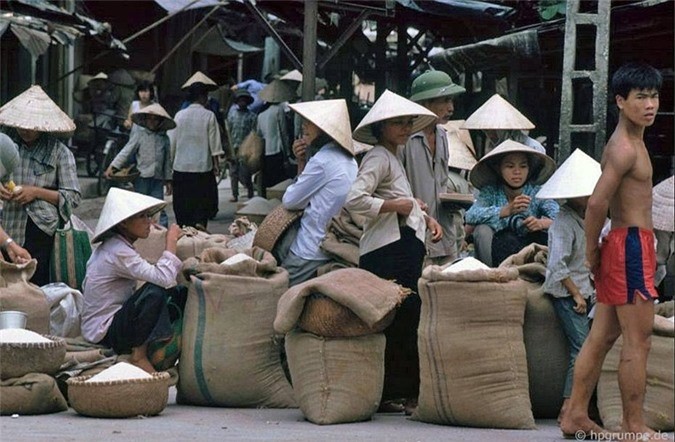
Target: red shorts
[627,266]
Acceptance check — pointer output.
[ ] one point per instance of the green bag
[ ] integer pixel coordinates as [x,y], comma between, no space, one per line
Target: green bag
[71,252]
[164,354]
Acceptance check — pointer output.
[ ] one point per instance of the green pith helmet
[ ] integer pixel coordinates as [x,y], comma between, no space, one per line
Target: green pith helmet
[434,84]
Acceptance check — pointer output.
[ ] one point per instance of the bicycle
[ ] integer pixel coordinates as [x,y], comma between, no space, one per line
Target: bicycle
[114,143]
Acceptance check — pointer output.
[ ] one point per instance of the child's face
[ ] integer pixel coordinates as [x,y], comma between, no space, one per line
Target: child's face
[514,169]
[144,96]
[152,122]
[138,226]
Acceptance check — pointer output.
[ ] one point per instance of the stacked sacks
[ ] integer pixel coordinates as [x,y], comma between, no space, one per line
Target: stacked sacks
[191,243]
[229,357]
[473,368]
[659,405]
[16,293]
[545,342]
[341,243]
[336,358]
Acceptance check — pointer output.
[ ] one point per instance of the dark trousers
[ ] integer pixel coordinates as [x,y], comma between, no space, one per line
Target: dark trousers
[273,170]
[239,173]
[143,318]
[40,246]
[401,261]
[195,198]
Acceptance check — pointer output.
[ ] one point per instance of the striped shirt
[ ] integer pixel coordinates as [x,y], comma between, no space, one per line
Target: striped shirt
[48,164]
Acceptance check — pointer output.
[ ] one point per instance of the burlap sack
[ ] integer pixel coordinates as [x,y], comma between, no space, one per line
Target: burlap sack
[473,368]
[336,380]
[16,293]
[251,151]
[545,343]
[34,393]
[659,406]
[229,357]
[368,296]
[190,244]
[663,326]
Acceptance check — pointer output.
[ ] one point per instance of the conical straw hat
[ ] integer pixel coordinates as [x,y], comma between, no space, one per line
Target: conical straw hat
[34,110]
[459,154]
[662,205]
[121,205]
[332,117]
[199,78]
[391,105]
[485,172]
[464,134]
[497,113]
[277,92]
[294,75]
[360,147]
[154,109]
[576,177]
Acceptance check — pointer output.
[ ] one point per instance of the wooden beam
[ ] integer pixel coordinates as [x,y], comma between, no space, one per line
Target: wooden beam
[309,51]
[346,35]
[258,15]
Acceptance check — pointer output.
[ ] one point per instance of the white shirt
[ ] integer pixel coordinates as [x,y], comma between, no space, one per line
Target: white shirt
[112,273]
[321,189]
[195,139]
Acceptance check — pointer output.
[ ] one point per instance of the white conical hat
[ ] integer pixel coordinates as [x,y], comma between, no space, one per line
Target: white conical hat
[199,78]
[360,147]
[486,170]
[167,122]
[464,134]
[34,110]
[277,92]
[459,154]
[391,105]
[576,177]
[332,117]
[123,204]
[663,205]
[294,75]
[497,113]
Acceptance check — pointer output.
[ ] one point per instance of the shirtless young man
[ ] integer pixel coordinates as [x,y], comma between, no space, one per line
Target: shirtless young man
[624,265]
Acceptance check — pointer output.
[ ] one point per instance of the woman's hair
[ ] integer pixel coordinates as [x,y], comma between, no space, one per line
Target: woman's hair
[377,129]
[320,141]
[635,76]
[145,86]
[196,92]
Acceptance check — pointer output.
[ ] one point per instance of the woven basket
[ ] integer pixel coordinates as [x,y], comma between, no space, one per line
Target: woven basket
[324,317]
[125,175]
[124,398]
[273,227]
[19,359]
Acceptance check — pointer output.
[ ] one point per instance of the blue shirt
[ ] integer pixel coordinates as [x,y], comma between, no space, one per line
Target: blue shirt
[492,198]
[321,190]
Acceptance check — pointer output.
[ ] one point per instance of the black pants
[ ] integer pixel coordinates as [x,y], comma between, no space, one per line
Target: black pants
[40,245]
[143,318]
[195,198]
[401,261]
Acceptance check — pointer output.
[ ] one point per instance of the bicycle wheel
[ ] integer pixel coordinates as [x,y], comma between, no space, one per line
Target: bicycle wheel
[103,185]
[94,159]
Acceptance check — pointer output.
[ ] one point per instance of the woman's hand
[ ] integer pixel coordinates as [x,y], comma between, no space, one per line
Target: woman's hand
[18,254]
[518,205]
[533,224]
[435,229]
[580,304]
[422,204]
[5,194]
[25,194]
[108,172]
[300,149]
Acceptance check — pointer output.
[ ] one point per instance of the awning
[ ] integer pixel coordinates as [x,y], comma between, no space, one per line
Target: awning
[172,6]
[462,8]
[211,41]
[521,46]
[38,24]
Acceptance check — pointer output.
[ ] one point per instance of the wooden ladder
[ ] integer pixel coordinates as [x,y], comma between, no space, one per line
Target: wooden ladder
[597,76]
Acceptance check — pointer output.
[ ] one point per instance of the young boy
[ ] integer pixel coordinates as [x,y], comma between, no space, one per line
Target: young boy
[568,280]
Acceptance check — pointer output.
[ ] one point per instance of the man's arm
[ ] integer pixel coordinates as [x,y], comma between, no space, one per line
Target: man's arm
[618,162]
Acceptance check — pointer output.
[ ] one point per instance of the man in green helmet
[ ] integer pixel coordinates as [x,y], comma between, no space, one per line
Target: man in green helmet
[425,159]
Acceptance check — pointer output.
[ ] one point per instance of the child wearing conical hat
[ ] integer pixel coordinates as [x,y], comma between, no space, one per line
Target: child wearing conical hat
[568,280]
[115,314]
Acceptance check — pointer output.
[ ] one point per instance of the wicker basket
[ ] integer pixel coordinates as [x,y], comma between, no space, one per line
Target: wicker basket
[325,317]
[273,227]
[19,359]
[124,398]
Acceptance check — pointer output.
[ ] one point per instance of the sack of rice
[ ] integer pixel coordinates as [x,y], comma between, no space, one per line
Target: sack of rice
[663,319]
[16,293]
[343,303]
[545,342]
[659,404]
[191,243]
[473,368]
[229,357]
[336,380]
[33,393]
[23,351]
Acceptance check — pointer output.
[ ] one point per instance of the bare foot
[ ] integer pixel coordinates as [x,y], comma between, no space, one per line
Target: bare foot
[563,409]
[143,363]
[643,433]
[582,427]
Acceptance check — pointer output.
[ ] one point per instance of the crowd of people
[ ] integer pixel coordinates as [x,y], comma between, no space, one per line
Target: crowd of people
[394,188]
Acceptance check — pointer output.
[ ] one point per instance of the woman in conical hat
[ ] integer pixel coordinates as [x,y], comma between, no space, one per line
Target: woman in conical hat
[115,314]
[392,245]
[9,158]
[506,215]
[150,148]
[568,280]
[323,182]
[46,176]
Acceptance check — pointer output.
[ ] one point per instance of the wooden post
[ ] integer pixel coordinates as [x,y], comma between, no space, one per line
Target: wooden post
[309,50]
[381,58]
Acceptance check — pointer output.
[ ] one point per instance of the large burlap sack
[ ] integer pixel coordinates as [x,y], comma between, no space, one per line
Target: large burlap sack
[251,151]
[336,380]
[473,368]
[659,406]
[16,293]
[362,301]
[191,243]
[229,356]
[545,342]
[34,393]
